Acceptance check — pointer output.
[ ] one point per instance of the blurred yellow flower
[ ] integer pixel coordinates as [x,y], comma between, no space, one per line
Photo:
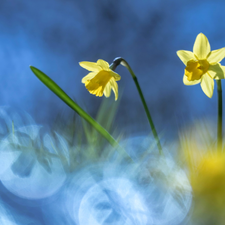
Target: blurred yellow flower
[101,79]
[207,178]
[202,65]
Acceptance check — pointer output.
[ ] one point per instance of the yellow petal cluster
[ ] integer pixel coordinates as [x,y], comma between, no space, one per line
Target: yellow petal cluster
[101,79]
[202,65]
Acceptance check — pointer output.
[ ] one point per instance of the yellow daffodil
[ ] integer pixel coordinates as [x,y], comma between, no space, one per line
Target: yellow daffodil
[101,79]
[209,176]
[202,65]
[208,185]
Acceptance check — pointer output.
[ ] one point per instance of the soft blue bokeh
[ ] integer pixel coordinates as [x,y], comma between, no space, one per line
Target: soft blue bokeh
[54,36]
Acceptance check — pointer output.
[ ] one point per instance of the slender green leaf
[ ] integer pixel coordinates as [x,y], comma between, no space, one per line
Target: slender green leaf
[62,95]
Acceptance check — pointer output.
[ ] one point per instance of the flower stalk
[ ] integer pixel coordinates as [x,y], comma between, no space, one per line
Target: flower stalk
[123,62]
[219,120]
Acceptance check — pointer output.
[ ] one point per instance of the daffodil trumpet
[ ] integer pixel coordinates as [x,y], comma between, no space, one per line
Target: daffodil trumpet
[101,79]
[117,61]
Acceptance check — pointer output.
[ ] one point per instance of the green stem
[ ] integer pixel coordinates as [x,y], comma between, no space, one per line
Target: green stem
[123,62]
[219,120]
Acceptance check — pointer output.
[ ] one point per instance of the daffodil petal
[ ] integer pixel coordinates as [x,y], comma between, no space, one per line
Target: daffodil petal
[207,85]
[107,90]
[115,75]
[185,56]
[216,56]
[187,82]
[103,64]
[201,46]
[91,66]
[88,77]
[114,86]
[216,71]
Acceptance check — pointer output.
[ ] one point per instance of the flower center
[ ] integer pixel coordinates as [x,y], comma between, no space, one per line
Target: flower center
[97,84]
[195,69]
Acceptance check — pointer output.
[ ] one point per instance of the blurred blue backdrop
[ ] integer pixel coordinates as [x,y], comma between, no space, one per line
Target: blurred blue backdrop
[55,35]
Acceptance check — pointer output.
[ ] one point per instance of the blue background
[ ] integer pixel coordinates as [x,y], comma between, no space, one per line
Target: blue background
[55,35]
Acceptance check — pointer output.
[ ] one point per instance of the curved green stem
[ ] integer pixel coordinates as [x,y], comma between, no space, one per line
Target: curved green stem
[220,114]
[123,62]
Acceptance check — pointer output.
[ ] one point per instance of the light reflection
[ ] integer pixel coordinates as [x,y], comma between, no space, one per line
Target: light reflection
[165,185]
[35,165]
[29,170]
[39,183]
[113,201]
[9,116]
[6,217]
[168,193]
[153,191]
